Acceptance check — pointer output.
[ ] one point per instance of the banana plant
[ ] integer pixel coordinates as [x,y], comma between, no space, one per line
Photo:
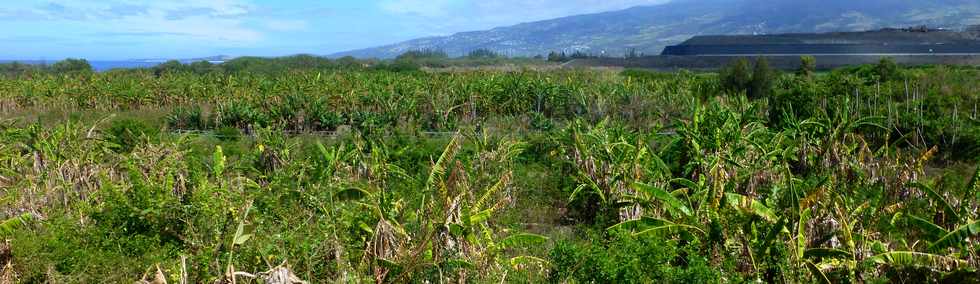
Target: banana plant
[606,163]
[941,238]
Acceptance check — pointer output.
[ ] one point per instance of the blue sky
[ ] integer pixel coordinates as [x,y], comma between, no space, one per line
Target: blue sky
[124,29]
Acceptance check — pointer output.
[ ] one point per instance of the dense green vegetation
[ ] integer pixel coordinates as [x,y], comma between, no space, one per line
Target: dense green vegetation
[409,61]
[66,66]
[365,174]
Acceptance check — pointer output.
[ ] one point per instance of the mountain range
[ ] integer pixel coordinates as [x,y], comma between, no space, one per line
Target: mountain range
[648,29]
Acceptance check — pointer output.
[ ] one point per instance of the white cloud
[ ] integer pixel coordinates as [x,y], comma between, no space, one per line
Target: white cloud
[206,21]
[286,25]
[424,8]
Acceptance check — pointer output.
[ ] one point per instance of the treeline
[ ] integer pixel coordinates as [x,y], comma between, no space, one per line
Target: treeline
[409,61]
[920,104]
[70,65]
[265,65]
[435,58]
[555,56]
[562,56]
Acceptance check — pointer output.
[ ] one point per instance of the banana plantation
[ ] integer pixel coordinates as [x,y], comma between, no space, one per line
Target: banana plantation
[356,175]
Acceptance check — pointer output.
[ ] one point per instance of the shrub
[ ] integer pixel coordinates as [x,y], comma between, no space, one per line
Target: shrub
[240,115]
[171,66]
[762,78]
[367,121]
[888,70]
[799,102]
[228,133]
[482,53]
[71,65]
[541,122]
[187,118]
[423,54]
[325,120]
[399,66]
[756,83]
[625,258]
[126,134]
[736,76]
[808,66]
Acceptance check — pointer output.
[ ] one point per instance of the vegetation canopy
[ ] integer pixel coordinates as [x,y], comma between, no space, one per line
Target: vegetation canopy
[348,171]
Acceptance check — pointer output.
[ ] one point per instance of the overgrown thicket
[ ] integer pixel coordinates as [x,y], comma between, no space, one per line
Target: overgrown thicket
[860,175]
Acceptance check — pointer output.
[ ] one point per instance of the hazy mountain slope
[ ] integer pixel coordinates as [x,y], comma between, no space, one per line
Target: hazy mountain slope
[650,28]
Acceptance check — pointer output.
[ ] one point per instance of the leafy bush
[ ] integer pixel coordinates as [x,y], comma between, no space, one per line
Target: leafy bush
[756,83]
[368,121]
[126,134]
[541,122]
[808,66]
[798,102]
[71,65]
[322,119]
[187,118]
[240,115]
[736,76]
[624,258]
[398,66]
[888,70]
[228,133]
[762,79]
[422,54]
[482,53]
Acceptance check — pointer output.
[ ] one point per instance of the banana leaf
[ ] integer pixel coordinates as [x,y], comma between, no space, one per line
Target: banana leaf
[918,259]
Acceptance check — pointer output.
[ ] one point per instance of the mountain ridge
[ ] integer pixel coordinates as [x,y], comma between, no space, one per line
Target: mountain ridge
[648,29]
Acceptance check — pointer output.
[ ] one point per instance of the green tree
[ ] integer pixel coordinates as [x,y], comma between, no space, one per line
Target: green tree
[167,67]
[423,54]
[808,66]
[347,62]
[735,76]
[71,65]
[887,70]
[762,78]
[482,53]
[15,68]
[202,67]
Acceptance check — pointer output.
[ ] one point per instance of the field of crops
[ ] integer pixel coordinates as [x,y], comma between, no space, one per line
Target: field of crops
[566,176]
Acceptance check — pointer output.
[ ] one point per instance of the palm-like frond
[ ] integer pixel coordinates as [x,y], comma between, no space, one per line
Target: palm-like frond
[671,228]
[10,225]
[672,203]
[946,207]
[817,273]
[933,231]
[523,240]
[801,241]
[751,206]
[918,259]
[647,225]
[438,172]
[826,253]
[956,237]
